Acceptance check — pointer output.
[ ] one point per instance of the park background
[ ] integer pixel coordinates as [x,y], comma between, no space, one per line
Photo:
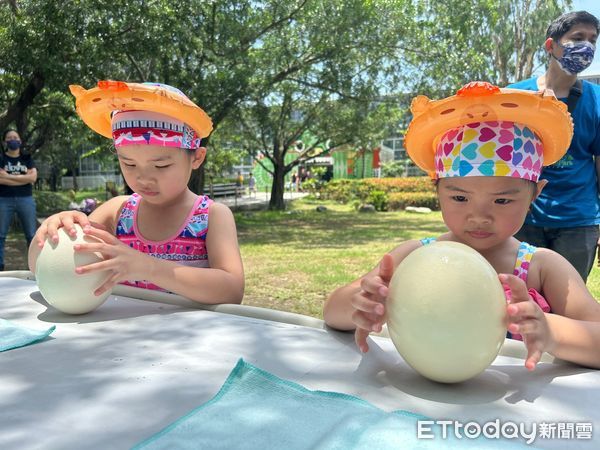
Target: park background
[295,86]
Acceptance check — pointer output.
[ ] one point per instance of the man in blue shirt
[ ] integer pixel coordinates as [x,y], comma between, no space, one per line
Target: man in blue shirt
[566,215]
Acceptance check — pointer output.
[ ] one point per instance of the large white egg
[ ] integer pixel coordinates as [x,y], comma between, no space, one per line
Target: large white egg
[59,284]
[446,311]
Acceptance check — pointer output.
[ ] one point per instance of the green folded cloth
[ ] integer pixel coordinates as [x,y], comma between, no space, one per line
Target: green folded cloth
[15,336]
[257,410]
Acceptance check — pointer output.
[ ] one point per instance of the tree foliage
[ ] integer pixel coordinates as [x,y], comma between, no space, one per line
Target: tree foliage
[499,41]
[266,71]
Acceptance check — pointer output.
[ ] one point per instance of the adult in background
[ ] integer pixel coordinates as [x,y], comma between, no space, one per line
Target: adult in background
[17,175]
[566,215]
[251,185]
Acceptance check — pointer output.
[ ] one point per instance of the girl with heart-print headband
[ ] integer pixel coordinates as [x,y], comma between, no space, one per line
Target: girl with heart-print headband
[485,147]
[164,236]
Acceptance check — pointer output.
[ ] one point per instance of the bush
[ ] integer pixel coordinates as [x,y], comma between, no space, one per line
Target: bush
[313,186]
[48,203]
[347,190]
[410,184]
[400,200]
[379,200]
[341,191]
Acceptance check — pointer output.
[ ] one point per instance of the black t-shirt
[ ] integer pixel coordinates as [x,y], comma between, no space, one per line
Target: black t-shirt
[16,166]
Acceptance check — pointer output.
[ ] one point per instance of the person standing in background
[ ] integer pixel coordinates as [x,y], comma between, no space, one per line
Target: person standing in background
[17,175]
[566,214]
[252,185]
[294,181]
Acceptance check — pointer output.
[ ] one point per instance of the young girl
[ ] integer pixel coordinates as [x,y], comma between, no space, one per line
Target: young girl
[163,236]
[480,148]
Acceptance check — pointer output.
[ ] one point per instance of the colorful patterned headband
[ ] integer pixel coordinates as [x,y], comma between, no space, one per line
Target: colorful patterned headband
[142,113]
[152,128]
[478,102]
[498,148]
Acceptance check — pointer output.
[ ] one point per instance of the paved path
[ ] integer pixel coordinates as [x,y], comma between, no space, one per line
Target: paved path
[258,201]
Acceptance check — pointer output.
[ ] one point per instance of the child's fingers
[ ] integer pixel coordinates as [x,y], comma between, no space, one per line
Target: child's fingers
[40,234]
[94,267]
[101,234]
[525,327]
[52,230]
[367,322]
[533,357]
[107,251]
[360,337]
[375,286]
[99,247]
[68,223]
[518,312]
[517,287]
[107,285]
[386,268]
[363,302]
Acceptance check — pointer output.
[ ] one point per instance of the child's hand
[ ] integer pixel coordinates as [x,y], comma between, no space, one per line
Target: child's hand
[369,303]
[527,318]
[66,219]
[123,262]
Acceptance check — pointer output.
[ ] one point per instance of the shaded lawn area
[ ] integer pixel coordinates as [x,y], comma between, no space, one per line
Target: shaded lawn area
[294,259]
[15,252]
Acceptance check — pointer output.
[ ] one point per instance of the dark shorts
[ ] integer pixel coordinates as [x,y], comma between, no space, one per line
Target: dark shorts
[577,244]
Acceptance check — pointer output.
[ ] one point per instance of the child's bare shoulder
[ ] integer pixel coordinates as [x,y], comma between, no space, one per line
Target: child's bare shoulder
[551,266]
[219,209]
[220,219]
[404,249]
[546,257]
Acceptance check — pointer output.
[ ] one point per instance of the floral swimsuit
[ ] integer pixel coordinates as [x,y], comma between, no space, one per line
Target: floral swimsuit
[187,247]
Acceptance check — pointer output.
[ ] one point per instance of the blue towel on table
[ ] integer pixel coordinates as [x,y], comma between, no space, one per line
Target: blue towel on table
[15,336]
[257,410]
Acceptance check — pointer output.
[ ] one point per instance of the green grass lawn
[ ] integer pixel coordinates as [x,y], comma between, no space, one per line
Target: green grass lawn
[293,259]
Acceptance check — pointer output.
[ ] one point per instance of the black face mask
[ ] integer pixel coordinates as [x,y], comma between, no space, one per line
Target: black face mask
[13,144]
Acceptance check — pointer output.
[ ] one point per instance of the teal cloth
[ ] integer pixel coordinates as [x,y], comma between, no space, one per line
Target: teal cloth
[15,336]
[257,410]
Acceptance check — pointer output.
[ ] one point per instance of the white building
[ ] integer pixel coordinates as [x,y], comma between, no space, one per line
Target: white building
[592,78]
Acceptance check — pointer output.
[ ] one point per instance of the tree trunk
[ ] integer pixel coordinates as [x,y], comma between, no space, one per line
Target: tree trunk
[364,169]
[16,111]
[278,187]
[75,184]
[54,174]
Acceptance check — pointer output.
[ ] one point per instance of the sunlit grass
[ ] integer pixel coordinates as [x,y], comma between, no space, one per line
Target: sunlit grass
[293,259]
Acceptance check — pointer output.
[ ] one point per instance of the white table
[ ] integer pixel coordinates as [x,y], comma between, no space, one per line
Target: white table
[114,377]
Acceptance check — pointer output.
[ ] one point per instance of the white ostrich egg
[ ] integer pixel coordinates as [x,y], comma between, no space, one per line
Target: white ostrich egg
[446,311]
[57,280]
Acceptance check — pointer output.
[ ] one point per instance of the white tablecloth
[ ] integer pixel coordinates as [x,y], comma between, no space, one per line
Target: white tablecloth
[117,375]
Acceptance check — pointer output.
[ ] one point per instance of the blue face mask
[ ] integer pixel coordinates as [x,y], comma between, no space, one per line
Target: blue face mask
[13,144]
[577,56]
